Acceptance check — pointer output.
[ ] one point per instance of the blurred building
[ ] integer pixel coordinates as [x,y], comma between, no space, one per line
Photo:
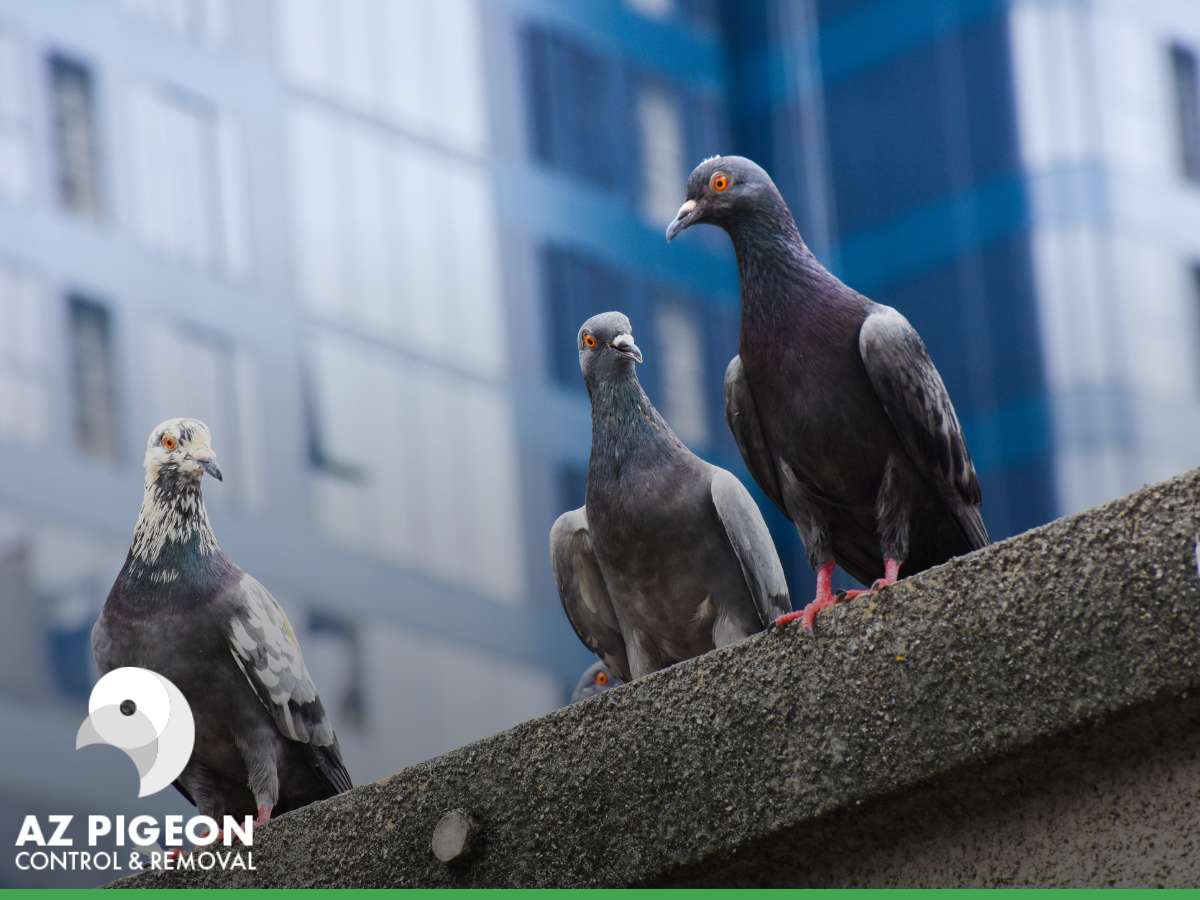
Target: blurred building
[358,239]
[1022,180]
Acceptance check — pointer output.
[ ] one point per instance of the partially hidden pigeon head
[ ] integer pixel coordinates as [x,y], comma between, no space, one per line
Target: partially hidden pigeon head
[596,679]
[180,450]
[723,189]
[606,347]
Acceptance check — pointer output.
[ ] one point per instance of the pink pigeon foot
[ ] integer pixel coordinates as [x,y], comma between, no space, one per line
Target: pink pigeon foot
[891,572]
[825,598]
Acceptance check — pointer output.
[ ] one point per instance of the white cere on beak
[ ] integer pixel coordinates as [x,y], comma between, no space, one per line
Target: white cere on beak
[688,206]
[623,343]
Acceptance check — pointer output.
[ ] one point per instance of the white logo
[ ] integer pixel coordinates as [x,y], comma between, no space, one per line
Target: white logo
[146,717]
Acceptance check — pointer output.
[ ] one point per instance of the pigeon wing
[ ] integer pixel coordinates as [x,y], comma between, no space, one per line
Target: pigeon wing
[742,416]
[915,399]
[584,594]
[265,648]
[752,545]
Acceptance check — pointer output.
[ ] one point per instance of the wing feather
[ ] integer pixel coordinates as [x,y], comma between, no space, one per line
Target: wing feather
[752,545]
[742,416]
[264,646]
[918,405]
[584,594]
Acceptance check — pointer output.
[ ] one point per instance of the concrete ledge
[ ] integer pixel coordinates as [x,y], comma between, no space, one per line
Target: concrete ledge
[1028,714]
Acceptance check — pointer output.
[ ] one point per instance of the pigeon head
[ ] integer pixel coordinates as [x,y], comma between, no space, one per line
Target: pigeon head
[725,190]
[596,679]
[606,347]
[179,451]
[173,523]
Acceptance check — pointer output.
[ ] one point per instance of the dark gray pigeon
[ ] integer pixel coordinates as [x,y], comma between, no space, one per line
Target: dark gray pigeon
[181,608]
[669,557]
[596,679]
[833,400]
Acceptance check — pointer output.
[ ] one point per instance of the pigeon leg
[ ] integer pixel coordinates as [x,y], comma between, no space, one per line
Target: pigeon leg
[891,571]
[824,599]
[258,750]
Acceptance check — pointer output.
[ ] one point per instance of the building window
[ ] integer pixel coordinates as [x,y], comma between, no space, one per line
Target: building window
[1187,101]
[92,377]
[334,647]
[76,147]
[24,358]
[320,455]
[436,452]
[53,580]
[682,381]
[576,102]
[205,21]
[1195,286]
[359,193]
[189,196]
[577,288]
[663,154]
[370,55]
[14,122]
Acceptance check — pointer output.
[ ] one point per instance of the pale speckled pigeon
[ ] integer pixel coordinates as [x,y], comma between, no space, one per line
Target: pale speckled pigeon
[669,557]
[833,400]
[596,679]
[180,607]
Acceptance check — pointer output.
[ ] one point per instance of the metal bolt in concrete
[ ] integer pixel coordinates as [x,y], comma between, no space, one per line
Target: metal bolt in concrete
[456,837]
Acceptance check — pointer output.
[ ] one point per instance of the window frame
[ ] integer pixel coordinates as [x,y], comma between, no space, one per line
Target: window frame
[1185,78]
[57,63]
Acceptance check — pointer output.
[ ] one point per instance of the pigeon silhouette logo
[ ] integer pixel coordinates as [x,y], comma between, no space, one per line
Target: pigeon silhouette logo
[146,717]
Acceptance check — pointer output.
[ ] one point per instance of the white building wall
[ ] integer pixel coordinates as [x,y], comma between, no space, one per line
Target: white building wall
[1115,241]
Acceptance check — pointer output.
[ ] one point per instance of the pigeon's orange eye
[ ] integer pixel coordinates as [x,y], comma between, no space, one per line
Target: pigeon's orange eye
[601,678]
[719,181]
[169,442]
[589,342]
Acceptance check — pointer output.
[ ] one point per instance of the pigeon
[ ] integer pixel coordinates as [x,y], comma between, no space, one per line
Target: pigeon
[669,556]
[596,679]
[834,401]
[182,609]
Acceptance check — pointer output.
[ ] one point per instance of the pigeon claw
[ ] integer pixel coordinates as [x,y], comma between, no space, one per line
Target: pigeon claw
[891,572]
[263,817]
[785,620]
[855,593]
[876,586]
[808,615]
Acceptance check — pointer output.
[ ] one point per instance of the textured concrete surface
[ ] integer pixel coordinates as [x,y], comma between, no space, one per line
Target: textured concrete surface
[1113,806]
[1028,714]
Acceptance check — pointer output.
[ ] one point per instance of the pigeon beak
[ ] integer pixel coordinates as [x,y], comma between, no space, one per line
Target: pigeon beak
[207,460]
[687,216]
[623,344]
